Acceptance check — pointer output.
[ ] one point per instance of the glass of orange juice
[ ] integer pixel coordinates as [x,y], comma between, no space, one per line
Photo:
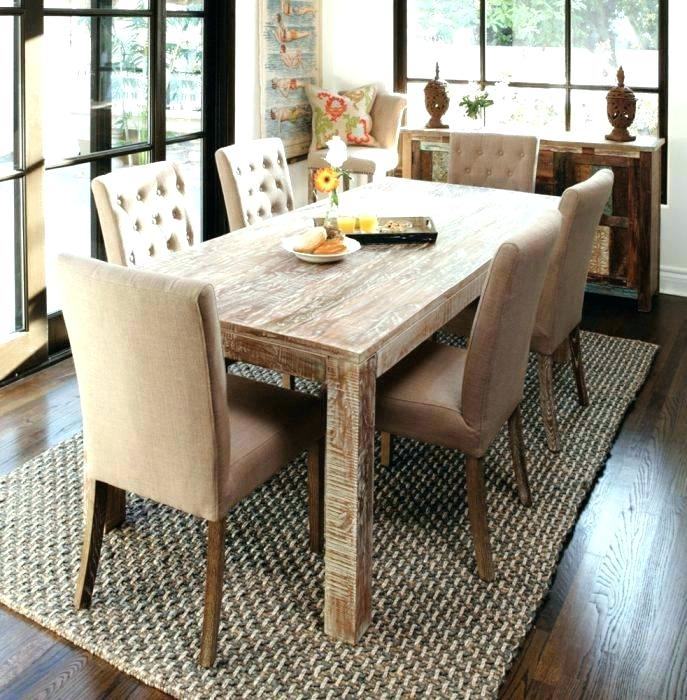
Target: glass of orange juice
[346,224]
[368,223]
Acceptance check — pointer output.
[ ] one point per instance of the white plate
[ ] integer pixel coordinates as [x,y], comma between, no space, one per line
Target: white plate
[351,247]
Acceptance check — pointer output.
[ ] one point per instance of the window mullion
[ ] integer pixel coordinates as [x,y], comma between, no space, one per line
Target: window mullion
[483,43]
[158,79]
[568,62]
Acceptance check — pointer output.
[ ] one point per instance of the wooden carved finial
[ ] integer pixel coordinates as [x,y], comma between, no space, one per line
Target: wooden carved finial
[621,77]
[436,100]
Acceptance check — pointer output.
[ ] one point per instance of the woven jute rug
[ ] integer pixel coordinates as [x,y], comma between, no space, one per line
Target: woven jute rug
[436,631]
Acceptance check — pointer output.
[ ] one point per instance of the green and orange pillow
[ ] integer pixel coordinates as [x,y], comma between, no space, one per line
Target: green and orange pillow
[345,113]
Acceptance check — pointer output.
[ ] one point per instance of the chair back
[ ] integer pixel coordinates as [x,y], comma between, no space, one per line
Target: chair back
[560,307]
[143,212]
[387,112]
[501,161]
[255,181]
[152,382]
[499,345]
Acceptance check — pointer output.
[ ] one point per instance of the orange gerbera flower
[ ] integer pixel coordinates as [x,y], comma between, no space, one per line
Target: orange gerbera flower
[326,180]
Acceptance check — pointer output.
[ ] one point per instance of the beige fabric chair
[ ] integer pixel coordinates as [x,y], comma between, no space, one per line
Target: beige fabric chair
[143,212]
[501,161]
[461,398]
[162,418]
[560,308]
[387,111]
[556,335]
[255,181]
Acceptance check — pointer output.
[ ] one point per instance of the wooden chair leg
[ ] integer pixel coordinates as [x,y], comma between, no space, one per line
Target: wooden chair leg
[578,366]
[517,450]
[547,401]
[477,511]
[316,496]
[116,508]
[288,381]
[95,503]
[213,592]
[386,449]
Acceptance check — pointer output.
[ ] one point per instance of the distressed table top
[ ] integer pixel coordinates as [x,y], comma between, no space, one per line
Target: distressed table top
[353,307]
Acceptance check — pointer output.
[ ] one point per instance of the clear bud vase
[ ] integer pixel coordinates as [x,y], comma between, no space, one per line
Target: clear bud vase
[331,219]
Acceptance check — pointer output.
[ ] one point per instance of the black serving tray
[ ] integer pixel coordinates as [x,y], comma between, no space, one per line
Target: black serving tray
[421,229]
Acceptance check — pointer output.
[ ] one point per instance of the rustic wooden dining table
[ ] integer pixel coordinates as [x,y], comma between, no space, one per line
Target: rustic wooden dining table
[347,323]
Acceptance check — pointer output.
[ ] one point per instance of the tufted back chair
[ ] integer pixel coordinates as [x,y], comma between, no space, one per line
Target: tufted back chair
[142,212]
[255,181]
[501,161]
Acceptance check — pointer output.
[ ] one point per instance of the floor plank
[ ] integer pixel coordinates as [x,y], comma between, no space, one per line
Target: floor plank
[614,624]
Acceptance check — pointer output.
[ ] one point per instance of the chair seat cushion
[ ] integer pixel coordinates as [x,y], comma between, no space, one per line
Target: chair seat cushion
[421,398]
[360,159]
[270,426]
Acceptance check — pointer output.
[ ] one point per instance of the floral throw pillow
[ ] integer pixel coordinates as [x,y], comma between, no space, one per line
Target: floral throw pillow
[345,113]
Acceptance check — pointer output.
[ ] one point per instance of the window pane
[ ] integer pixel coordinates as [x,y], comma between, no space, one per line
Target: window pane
[8,90]
[184,75]
[93,105]
[69,190]
[10,3]
[525,41]
[606,35]
[66,190]
[10,301]
[96,4]
[184,5]
[528,109]
[588,113]
[446,31]
[189,155]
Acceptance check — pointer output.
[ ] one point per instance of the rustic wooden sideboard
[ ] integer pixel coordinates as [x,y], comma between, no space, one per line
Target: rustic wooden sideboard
[625,260]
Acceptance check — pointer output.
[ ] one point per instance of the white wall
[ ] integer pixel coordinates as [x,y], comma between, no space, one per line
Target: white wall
[674,214]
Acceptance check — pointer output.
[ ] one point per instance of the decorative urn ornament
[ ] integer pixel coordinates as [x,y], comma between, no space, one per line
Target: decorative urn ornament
[436,101]
[621,106]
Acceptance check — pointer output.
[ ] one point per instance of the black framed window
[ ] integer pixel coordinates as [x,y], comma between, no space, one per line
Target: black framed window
[91,86]
[547,63]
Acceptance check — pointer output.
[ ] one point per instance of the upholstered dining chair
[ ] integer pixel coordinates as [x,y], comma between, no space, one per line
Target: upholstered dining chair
[556,336]
[143,212]
[501,161]
[387,112]
[255,181]
[560,308]
[163,419]
[460,398]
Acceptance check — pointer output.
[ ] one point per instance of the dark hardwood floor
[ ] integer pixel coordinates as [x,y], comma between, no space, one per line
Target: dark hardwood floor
[615,622]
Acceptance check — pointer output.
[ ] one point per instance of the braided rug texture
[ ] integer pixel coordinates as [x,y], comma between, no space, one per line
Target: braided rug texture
[437,629]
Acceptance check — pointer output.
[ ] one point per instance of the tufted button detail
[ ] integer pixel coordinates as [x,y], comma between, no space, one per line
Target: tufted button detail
[189,237]
[266,163]
[238,171]
[522,155]
[261,212]
[119,201]
[509,173]
[262,188]
[138,197]
[480,152]
[489,172]
[151,251]
[176,213]
[250,192]
[467,170]
[252,167]
[132,258]
[137,226]
[279,185]
[500,153]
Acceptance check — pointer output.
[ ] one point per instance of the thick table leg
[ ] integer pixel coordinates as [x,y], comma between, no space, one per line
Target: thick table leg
[348,498]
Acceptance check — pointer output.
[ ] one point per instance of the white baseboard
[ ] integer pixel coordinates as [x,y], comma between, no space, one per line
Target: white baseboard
[673,280]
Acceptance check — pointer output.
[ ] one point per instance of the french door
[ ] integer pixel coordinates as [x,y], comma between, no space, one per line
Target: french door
[97,85]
